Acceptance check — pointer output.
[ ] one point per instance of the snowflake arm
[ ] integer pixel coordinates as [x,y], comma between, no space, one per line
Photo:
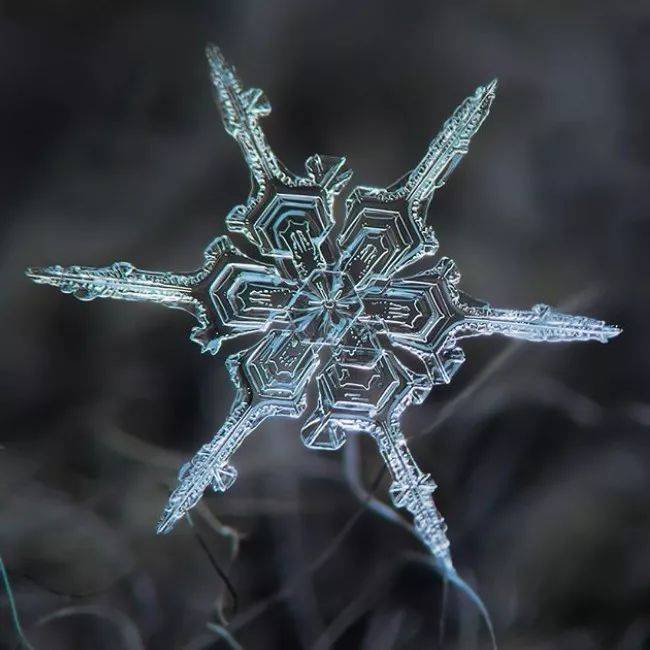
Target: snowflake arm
[270,379]
[230,295]
[541,323]
[287,217]
[120,281]
[427,314]
[385,228]
[364,388]
[412,489]
[210,466]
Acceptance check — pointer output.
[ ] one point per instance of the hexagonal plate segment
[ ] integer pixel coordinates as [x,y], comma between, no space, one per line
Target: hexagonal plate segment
[280,368]
[290,222]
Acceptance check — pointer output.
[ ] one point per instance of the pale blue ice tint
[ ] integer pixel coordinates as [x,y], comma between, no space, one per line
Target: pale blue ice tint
[341,313]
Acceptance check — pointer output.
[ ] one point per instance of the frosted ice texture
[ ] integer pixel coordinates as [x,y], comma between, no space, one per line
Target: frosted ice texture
[343,313]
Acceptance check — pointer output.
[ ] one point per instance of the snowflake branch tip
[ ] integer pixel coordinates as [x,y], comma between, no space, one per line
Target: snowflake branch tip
[492,86]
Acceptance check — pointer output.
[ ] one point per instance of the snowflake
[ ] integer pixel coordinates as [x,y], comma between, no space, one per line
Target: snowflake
[339,315]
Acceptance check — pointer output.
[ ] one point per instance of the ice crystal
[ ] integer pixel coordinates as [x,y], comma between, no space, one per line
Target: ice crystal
[338,312]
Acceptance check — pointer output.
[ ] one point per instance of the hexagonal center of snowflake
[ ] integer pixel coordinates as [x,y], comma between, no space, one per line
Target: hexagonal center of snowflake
[325,306]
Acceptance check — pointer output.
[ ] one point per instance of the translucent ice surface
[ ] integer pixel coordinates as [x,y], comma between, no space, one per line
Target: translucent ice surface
[344,313]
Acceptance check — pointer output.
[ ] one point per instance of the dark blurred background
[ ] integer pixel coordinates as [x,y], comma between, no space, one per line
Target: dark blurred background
[112,149]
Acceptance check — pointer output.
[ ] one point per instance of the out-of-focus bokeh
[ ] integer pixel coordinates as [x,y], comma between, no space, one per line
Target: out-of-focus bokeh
[112,149]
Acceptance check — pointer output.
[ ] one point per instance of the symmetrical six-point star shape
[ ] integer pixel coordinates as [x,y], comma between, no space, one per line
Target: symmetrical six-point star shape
[344,313]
